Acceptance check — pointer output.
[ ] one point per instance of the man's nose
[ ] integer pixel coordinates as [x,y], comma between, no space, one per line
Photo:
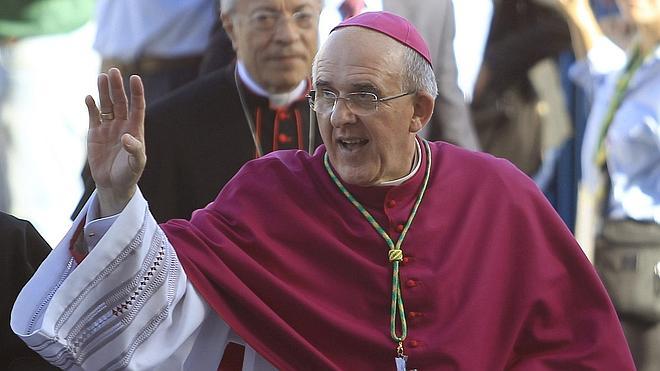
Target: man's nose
[341,114]
[286,31]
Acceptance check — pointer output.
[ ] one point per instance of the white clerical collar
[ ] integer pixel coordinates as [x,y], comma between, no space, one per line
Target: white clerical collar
[276,100]
[415,168]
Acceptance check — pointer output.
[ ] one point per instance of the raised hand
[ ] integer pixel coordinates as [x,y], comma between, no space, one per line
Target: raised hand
[583,24]
[115,140]
[574,9]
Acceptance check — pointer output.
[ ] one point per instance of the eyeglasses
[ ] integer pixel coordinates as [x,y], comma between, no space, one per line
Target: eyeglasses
[360,103]
[265,20]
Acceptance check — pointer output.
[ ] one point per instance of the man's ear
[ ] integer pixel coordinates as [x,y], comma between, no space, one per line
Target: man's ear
[228,25]
[423,110]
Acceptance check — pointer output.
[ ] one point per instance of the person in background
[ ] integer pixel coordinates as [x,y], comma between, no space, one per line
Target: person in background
[21,251]
[617,28]
[296,256]
[514,113]
[621,166]
[241,112]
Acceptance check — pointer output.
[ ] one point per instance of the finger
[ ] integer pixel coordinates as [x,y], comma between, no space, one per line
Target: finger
[94,114]
[135,148]
[104,93]
[118,94]
[138,105]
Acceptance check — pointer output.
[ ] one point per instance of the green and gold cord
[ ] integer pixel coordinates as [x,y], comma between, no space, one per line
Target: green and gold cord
[395,253]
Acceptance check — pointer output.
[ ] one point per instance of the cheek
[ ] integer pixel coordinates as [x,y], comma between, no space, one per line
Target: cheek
[311,44]
[256,44]
[391,132]
[325,129]
[247,51]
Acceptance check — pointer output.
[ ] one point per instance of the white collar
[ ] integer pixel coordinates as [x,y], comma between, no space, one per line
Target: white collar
[276,100]
[417,164]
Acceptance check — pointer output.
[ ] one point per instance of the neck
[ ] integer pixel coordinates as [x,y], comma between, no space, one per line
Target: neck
[277,99]
[414,167]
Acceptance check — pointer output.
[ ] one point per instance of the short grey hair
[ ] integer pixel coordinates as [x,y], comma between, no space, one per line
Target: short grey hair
[418,74]
[227,6]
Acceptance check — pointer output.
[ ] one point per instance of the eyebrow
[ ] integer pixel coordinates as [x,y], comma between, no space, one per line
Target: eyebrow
[322,84]
[263,11]
[302,7]
[272,9]
[366,87]
[265,8]
[357,87]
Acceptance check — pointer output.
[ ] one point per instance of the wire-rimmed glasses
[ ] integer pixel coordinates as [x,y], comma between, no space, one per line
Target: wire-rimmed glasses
[360,103]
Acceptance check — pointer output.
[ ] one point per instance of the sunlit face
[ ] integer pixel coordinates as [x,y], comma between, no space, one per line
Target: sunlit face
[368,149]
[641,12]
[275,39]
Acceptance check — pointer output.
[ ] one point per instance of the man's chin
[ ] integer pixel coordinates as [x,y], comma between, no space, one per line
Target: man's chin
[356,177]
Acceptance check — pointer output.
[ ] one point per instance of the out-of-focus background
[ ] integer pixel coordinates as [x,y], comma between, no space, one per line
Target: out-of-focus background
[52,50]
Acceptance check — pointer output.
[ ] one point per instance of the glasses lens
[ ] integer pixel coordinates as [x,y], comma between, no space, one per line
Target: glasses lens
[362,103]
[267,20]
[304,19]
[322,101]
[264,20]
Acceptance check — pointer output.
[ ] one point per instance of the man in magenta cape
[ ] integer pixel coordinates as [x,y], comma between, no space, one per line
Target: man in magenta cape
[380,249]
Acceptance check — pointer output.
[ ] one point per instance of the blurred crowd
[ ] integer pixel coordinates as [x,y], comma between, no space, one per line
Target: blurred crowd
[567,90]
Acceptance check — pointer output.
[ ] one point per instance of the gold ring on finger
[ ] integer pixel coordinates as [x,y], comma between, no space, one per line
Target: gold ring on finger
[107,115]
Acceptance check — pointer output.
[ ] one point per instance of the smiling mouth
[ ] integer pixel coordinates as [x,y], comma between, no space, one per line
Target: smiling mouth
[352,144]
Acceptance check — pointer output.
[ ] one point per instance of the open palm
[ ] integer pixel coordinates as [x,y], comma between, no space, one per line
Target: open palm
[115,139]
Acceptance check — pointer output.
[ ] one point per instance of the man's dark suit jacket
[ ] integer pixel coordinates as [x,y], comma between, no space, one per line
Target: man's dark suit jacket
[22,250]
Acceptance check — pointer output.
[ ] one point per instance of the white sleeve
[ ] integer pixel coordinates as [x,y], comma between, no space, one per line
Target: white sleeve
[128,305]
[603,59]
